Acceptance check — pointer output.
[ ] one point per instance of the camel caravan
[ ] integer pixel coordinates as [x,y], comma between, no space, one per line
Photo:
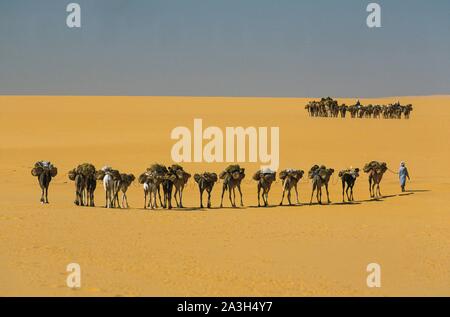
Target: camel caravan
[161,184]
[329,108]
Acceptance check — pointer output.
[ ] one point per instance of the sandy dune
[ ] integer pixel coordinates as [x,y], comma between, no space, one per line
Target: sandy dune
[302,250]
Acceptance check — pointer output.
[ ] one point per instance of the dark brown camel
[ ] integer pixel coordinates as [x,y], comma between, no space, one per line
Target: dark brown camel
[206,182]
[44,171]
[348,178]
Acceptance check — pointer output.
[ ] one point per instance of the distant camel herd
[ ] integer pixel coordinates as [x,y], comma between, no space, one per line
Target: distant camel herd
[327,107]
[173,179]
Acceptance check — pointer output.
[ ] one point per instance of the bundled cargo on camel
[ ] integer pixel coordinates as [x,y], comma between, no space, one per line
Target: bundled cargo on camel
[41,166]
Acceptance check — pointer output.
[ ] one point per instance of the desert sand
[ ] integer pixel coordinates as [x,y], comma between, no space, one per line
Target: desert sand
[276,251]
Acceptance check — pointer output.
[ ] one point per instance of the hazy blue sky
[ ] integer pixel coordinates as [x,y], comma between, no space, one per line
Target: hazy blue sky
[225,47]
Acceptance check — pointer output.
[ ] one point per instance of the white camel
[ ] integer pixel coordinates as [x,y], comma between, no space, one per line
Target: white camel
[110,186]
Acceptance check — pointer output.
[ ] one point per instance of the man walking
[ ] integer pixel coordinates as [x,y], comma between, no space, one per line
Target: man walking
[403,174]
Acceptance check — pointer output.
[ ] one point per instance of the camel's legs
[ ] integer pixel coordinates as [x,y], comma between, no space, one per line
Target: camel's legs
[282,196]
[124,197]
[240,194]
[92,199]
[42,195]
[259,191]
[373,190]
[319,194]
[229,195]
[145,199]
[224,188]
[176,197]
[328,194]
[370,186]
[289,197]
[160,201]
[296,194]
[181,196]
[209,198]
[312,193]
[46,194]
[343,189]
[201,197]
[348,196]
[116,201]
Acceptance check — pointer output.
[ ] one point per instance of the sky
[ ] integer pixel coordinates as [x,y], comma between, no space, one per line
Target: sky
[267,48]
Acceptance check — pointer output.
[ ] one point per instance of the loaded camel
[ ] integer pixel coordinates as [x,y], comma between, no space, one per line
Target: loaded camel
[206,182]
[181,180]
[265,178]
[232,177]
[348,178]
[84,176]
[44,171]
[150,186]
[290,178]
[125,182]
[320,176]
[375,170]
[111,184]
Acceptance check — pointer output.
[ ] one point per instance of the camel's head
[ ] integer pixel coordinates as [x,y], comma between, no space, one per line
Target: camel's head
[142,178]
[312,171]
[99,175]
[179,173]
[72,174]
[330,171]
[115,175]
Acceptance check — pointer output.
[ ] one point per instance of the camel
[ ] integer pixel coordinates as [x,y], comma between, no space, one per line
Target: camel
[80,186]
[44,171]
[290,179]
[327,107]
[158,172]
[167,186]
[111,183]
[265,178]
[181,180]
[206,182]
[348,178]
[84,176]
[125,182]
[375,170]
[232,177]
[91,185]
[320,177]
[150,189]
